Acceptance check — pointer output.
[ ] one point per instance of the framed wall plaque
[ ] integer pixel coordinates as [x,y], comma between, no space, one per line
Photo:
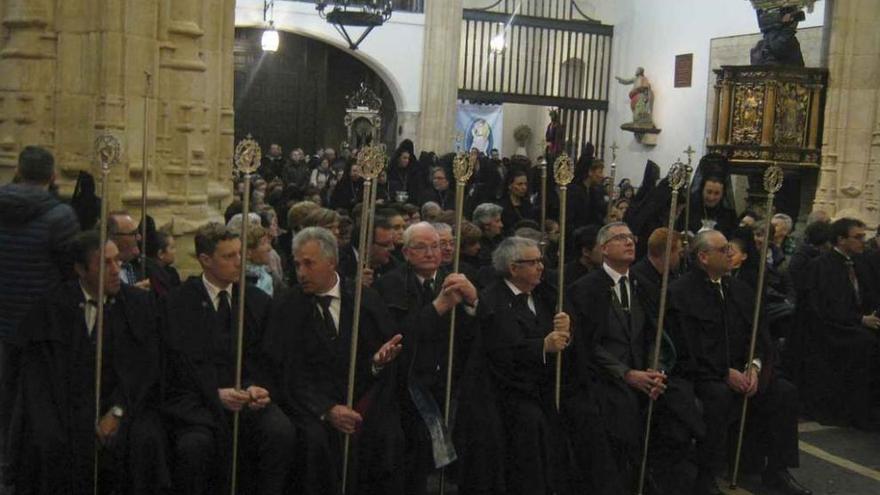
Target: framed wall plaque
[684,69]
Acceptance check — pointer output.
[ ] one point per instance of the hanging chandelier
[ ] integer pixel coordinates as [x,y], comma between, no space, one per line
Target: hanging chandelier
[351,13]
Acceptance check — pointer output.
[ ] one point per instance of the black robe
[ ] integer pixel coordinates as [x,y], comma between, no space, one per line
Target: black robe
[53,434]
[712,334]
[512,215]
[308,374]
[423,363]
[520,394]
[200,359]
[586,206]
[840,355]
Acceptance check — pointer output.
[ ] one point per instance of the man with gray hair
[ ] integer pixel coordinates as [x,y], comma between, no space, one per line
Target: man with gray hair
[710,320]
[421,295]
[521,330]
[306,352]
[487,217]
[611,314]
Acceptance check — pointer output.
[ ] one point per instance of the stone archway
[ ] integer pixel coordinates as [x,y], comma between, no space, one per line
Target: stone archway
[297,95]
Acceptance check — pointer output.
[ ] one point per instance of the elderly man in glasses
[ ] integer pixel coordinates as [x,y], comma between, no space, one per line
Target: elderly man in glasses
[521,334]
[710,319]
[421,295]
[123,231]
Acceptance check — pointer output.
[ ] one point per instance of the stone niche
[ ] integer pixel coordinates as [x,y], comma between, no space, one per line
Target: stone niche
[71,70]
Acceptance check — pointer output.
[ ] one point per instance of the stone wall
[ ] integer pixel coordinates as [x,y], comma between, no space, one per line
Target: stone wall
[850,173]
[71,70]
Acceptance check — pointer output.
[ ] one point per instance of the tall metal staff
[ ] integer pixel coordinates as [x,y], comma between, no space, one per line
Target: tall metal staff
[246,159]
[542,166]
[107,152]
[462,167]
[563,172]
[144,177]
[772,184]
[613,176]
[678,177]
[687,202]
[372,161]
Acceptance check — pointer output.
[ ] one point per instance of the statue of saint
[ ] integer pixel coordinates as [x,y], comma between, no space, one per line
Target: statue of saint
[641,100]
[778,24]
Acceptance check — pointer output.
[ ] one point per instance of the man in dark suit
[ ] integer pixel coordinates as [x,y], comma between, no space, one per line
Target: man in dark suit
[520,334]
[55,434]
[200,394]
[842,343]
[421,296]
[710,322]
[308,347]
[609,309]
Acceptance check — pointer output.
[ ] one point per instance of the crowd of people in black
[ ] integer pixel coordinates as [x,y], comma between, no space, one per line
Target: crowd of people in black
[168,376]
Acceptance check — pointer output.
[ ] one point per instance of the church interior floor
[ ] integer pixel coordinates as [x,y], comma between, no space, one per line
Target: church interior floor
[834,461]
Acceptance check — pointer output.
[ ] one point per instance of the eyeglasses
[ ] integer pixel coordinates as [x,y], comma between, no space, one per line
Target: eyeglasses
[623,238]
[446,244]
[424,248]
[723,249]
[532,262]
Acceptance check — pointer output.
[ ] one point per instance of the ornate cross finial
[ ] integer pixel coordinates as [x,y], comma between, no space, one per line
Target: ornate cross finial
[614,149]
[690,153]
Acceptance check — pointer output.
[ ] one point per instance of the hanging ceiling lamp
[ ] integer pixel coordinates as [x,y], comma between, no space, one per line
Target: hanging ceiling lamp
[350,13]
[269,41]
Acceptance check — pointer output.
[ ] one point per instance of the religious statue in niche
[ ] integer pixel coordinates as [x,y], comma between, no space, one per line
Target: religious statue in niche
[555,135]
[641,102]
[778,20]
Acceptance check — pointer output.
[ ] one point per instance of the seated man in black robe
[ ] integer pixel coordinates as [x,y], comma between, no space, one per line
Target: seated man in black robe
[649,270]
[55,432]
[307,346]
[421,296]
[710,322]
[199,390]
[520,334]
[609,307]
[842,346]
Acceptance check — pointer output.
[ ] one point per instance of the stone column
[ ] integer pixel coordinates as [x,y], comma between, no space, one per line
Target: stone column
[440,75]
[848,180]
[71,70]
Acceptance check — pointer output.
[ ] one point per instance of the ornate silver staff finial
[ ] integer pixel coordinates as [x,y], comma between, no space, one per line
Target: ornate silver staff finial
[247,156]
[107,151]
[463,167]
[563,170]
[773,179]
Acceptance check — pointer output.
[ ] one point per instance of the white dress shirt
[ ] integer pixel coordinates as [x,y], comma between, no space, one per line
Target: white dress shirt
[214,292]
[516,292]
[335,303]
[616,278]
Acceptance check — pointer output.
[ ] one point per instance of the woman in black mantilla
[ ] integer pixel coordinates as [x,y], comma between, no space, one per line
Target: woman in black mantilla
[711,199]
[516,203]
[349,190]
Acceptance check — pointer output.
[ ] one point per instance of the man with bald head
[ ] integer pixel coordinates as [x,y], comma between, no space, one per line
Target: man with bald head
[421,296]
[124,232]
[710,321]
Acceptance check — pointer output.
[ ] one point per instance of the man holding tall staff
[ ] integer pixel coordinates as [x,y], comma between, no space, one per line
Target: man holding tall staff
[710,320]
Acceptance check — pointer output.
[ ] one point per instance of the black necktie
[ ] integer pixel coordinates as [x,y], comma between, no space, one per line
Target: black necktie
[522,300]
[329,326]
[853,280]
[624,294]
[428,289]
[224,312]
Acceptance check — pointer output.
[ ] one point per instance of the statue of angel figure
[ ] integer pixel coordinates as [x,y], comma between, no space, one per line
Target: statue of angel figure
[641,99]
